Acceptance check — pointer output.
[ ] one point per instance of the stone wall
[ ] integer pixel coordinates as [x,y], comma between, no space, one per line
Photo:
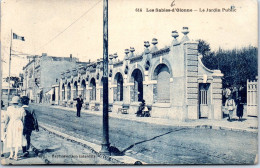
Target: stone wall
[181,63]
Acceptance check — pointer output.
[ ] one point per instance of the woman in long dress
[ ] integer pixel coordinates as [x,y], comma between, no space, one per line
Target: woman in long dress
[14,133]
[230,106]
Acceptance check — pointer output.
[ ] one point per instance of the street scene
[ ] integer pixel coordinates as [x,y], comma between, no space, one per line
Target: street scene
[86,91]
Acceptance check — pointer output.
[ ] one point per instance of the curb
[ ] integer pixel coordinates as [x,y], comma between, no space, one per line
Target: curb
[85,145]
[201,126]
[219,128]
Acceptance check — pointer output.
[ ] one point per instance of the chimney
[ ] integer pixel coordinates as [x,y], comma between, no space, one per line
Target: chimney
[44,54]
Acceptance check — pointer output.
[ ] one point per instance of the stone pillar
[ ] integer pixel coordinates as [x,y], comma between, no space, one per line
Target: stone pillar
[57,93]
[87,99]
[191,75]
[178,98]
[72,93]
[110,91]
[126,91]
[98,93]
[60,95]
[148,89]
[79,89]
[217,95]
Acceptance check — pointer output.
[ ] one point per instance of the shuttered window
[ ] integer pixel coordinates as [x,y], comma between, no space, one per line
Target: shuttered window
[93,90]
[163,83]
[119,87]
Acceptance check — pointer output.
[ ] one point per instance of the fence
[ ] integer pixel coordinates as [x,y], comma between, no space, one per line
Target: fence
[252,98]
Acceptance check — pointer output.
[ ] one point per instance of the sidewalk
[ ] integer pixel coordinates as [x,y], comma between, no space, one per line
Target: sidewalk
[55,149]
[249,124]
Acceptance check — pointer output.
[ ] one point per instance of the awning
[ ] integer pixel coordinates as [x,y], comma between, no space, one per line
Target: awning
[50,92]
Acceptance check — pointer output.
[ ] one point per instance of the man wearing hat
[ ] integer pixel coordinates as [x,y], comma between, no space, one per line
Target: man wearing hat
[79,104]
[30,123]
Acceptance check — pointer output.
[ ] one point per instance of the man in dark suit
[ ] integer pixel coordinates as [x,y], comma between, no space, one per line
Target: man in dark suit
[30,123]
[79,104]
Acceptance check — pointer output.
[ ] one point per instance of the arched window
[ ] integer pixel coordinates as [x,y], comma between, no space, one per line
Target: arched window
[162,75]
[63,92]
[83,86]
[93,90]
[118,92]
[69,92]
[75,92]
[53,94]
[137,90]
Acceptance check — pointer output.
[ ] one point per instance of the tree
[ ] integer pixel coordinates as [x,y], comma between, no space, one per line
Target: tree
[16,81]
[203,47]
[237,65]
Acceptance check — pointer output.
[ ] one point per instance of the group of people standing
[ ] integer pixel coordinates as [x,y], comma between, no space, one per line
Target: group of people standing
[232,105]
[18,123]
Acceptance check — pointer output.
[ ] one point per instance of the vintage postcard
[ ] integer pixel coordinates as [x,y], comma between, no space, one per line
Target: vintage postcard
[129,82]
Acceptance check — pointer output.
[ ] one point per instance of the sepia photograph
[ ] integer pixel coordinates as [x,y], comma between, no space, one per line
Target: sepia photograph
[129,82]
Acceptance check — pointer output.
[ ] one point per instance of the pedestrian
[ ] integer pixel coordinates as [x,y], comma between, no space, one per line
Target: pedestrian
[2,104]
[14,128]
[79,104]
[30,124]
[240,108]
[228,92]
[230,106]
[3,133]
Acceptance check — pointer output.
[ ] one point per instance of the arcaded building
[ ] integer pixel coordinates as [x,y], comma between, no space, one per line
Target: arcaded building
[172,80]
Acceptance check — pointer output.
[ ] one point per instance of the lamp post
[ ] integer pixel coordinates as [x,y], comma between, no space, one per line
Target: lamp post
[105,139]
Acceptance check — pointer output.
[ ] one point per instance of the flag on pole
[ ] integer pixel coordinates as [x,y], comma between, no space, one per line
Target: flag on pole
[15,36]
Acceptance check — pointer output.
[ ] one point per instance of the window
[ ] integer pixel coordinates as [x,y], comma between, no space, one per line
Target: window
[137,90]
[93,90]
[69,92]
[119,87]
[162,75]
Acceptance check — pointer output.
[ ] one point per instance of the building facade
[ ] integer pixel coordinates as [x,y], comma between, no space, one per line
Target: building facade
[4,93]
[172,80]
[42,72]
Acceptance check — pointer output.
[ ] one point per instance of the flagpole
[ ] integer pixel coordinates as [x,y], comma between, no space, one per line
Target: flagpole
[9,68]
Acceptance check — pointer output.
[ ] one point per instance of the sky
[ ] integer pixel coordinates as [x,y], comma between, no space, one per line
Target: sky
[64,27]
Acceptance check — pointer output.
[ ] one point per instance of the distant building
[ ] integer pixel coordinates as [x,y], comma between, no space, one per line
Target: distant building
[42,72]
[4,93]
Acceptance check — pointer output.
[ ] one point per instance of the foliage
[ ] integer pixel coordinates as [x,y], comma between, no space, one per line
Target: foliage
[15,79]
[203,47]
[237,65]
